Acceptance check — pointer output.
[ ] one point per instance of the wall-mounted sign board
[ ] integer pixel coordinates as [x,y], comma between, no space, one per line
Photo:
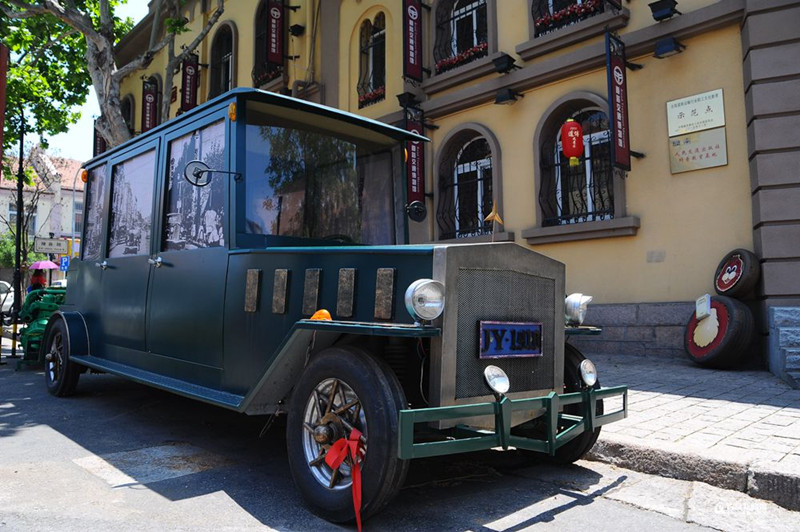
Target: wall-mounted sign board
[695,113]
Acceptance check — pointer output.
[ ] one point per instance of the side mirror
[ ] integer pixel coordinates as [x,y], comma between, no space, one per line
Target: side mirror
[197,173]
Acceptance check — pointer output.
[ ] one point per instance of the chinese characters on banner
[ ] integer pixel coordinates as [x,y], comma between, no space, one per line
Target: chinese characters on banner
[618,102]
[275,29]
[415,166]
[696,126]
[190,78]
[149,105]
[412,39]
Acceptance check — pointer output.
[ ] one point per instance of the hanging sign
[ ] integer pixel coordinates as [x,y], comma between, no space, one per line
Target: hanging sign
[415,165]
[99,142]
[412,39]
[190,77]
[275,29]
[572,141]
[149,105]
[618,102]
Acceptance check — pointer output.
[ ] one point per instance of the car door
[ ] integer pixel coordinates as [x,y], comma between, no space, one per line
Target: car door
[187,288]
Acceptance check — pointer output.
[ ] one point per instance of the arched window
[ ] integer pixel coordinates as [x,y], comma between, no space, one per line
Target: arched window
[127,110]
[264,70]
[465,192]
[372,61]
[462,32]
[222,72]
[582,193]
[551,15]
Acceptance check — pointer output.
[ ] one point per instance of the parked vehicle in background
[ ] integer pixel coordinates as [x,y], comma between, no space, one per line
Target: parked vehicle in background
[251,254]
[6,297]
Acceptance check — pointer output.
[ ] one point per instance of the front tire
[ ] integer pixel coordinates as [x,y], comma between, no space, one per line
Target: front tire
[342,389]
[60,373]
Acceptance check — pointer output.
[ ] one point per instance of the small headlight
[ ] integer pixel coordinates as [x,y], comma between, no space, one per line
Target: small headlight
[425,299]
[588,372]
[575,308]
[497,379]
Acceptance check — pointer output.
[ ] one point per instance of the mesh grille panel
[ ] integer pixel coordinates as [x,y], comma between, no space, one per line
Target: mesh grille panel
[503,295]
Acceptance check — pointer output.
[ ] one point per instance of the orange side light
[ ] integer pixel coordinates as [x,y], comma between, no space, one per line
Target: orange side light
[232,111]
[84,175]
[322,315]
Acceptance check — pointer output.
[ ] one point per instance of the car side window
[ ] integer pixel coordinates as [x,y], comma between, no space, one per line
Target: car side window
[195,215]
[132,205]
[95,214]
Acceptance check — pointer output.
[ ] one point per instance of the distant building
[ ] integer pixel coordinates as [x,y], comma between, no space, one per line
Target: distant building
[712,113]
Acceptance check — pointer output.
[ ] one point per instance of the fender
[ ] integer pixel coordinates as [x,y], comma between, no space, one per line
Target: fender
[77,333]
[304,339]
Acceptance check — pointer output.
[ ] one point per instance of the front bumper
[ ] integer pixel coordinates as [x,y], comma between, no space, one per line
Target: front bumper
[466,439]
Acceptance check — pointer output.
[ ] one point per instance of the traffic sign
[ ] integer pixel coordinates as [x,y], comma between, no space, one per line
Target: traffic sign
[50,245]
[64,263]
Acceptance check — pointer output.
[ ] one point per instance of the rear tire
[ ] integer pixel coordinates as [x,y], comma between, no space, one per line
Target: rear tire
[364,394]
[60,373]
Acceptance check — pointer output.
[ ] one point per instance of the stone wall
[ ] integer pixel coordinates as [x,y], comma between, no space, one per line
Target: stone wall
[784,338]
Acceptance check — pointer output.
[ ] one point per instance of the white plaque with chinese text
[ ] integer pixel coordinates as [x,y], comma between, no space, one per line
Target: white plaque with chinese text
[695,151]
[695,113]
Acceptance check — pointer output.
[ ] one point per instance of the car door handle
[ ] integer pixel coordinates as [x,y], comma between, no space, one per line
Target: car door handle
[157,262]
[102,265]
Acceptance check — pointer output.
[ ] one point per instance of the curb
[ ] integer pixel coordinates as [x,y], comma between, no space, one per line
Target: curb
[760,480]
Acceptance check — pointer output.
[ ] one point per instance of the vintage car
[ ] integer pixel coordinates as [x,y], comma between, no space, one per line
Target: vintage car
[252,254]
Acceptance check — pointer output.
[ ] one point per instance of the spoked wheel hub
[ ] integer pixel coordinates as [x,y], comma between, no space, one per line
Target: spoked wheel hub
[332,411]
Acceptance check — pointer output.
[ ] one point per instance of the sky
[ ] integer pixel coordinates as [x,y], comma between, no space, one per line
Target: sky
[77,143]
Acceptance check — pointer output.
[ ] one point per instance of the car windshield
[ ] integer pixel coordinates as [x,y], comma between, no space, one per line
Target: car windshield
[305,179]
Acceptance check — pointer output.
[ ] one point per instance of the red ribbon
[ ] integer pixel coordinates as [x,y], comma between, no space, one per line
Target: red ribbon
[338,452]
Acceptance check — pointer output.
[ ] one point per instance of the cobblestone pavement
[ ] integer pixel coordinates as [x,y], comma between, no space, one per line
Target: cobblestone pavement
[735,429]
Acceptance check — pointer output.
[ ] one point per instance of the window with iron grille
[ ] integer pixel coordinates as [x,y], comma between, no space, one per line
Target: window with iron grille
[552,15]
[221,71]
[372,61]
[582,193]
[461,33]
[465,187]
[263,70]
[126,108]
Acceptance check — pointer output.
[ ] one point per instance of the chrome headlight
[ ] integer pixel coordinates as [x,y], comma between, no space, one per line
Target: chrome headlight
[588,372]
[425,299]
[575,308]
[497,379]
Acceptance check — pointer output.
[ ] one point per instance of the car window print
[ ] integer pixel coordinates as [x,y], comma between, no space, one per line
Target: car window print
[194,216]
[95,213]
[132,206]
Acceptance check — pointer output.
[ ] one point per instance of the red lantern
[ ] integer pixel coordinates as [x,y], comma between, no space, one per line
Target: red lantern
[572,141]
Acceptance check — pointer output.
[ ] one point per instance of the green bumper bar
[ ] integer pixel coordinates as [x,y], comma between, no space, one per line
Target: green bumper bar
[468,439]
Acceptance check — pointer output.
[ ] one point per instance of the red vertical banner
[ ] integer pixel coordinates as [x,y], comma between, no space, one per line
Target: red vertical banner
[415,165]
[99,142]
[618,102]
[3,76]
[412,39]
[149,105]
[190,78]
[275,33]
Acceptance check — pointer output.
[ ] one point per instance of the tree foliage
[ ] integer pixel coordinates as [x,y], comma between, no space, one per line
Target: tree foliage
[59,47]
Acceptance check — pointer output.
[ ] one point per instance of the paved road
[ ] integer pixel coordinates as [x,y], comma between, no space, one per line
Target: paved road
[120,456]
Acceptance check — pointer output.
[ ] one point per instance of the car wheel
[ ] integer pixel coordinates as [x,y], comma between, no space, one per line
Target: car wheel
[737,274]
[60,373]
[722,339]
[344,389]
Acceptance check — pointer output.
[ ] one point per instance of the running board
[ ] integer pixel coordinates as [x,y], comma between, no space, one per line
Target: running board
[186,389]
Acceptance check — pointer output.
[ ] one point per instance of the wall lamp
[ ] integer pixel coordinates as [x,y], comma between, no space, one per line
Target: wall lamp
[507,97]
[296,30]
[664,9]
[667,47]
[407,99]
[504,63]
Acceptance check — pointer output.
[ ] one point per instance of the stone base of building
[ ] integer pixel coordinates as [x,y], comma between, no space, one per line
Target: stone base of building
[784,343]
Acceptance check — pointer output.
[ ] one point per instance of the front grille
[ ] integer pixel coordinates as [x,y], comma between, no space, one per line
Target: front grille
[503,295]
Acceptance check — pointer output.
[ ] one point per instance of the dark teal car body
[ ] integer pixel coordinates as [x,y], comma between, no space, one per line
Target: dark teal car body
[208,284]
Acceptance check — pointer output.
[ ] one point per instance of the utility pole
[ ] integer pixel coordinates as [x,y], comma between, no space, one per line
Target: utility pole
[18,242]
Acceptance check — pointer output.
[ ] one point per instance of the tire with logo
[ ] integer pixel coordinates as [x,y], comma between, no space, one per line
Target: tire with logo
[722,339]
[737,274]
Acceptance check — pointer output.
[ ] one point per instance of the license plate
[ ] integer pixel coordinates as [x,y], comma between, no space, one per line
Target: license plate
[503,339]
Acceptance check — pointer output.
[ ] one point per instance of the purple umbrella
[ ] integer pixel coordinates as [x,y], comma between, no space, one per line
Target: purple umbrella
[43,265]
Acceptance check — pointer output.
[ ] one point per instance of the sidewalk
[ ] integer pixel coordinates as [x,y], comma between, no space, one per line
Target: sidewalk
[736,430]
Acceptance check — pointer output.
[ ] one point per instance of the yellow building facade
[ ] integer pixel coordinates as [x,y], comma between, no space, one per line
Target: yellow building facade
[501,78]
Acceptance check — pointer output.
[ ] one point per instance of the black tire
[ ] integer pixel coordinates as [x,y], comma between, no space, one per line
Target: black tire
[575,449]
[737,274]
[725,342]
[60,373]
[364,381]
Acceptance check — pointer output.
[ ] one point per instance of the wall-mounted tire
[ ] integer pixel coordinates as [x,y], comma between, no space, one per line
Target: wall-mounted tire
[737,274]
[722,342]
